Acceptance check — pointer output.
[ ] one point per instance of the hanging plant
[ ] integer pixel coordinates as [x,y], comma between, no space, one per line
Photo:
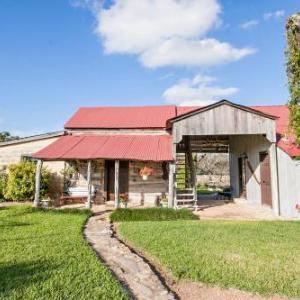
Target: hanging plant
[145,172]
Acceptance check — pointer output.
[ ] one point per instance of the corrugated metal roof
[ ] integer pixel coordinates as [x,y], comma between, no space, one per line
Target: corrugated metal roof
[32,138]
[144,117]
[127,147]
[125,117]
[122,117]
[282,124]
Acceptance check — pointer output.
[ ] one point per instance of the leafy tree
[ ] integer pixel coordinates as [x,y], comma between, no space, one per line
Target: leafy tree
[6,136]
[21,181]
[293,71]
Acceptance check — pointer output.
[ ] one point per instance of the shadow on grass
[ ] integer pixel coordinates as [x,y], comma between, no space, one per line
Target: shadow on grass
[14,224]
[18,276]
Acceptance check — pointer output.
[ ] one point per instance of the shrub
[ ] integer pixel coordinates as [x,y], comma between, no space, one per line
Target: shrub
[151,214]
[3,182]
[21,181]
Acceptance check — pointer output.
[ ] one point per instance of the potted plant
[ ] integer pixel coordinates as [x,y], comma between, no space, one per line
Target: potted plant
[298,207]
[45,203]
[124,199]
[164,200]
[145,172]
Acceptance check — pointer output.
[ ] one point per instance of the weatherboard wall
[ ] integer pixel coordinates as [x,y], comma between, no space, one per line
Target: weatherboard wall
[289,184]
[224,120]
[251,146]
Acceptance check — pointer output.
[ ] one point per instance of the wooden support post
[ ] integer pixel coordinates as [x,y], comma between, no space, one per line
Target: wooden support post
[117,192]
[89,184]
[38,175]
[171,185]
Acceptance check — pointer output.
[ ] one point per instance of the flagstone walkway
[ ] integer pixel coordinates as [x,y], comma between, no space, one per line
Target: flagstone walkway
[131,270]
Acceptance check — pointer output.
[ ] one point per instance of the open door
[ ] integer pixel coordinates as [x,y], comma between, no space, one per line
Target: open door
[110,178]
[265,179]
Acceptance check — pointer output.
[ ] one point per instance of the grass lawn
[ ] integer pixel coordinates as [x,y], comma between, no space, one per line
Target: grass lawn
[262,257]
[44,256]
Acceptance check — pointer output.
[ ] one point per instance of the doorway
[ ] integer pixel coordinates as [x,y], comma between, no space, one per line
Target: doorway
[110,178]
[242,177]
[265,179]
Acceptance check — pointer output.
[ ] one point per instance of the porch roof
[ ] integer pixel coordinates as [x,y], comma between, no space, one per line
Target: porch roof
[124,147]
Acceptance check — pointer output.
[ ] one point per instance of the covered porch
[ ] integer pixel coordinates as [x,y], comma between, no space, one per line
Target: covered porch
[112,168]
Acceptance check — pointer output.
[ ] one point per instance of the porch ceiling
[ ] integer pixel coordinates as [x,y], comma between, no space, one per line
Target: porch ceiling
[206,144]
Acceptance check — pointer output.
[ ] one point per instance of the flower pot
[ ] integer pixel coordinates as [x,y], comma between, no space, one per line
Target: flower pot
[145,177]
[45,203]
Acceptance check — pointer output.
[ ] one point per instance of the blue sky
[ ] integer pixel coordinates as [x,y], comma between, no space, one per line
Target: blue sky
[58,55]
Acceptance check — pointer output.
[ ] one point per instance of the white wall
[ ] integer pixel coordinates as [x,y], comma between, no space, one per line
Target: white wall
[289,184]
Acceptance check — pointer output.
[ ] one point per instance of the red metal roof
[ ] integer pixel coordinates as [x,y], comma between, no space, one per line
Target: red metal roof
[282,123]
[146,117]
[131,117]
[127,147]
[122,117]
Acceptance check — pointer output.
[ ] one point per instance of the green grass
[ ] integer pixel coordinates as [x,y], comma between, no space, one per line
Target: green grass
[43,256]
[151,214]
[262,257]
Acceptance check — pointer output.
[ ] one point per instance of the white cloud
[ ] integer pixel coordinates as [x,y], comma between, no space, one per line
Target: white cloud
[181,52]
[249,24]
[133,26]
[163,33]
[92,5]
[274,15]
[199,90]
[166,76]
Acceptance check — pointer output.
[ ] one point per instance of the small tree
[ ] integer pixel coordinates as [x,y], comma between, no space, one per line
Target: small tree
[21,181]
[6,136]
[293,71]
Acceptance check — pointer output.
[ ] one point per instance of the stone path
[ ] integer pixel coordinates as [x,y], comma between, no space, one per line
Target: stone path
[135,274]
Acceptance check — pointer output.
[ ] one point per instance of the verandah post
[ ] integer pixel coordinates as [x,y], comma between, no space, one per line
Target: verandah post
[171,185]
[38,175]
[89,184]
[117,192]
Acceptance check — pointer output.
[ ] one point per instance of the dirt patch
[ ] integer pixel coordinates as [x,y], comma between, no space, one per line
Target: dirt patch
[198,291]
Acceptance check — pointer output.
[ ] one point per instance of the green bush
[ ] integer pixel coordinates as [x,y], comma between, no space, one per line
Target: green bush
[151,214]
[3,182]
[21,181]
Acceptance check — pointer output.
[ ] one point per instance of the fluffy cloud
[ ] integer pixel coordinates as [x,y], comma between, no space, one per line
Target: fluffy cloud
[274,15]
[163,33]
[133,26]
[181,52]
[199,90]
[249,24]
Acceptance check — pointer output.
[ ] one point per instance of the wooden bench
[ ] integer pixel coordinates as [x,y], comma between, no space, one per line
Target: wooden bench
[76,195]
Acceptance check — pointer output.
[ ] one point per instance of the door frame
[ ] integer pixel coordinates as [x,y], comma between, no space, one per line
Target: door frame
[111,164]
[242,177]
